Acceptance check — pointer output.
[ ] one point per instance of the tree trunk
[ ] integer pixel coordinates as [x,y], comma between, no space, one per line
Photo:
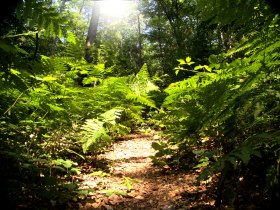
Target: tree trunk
[55,39]
[92,31]
[140,47]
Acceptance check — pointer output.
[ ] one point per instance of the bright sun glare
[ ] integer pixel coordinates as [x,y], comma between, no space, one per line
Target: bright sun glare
[115,8]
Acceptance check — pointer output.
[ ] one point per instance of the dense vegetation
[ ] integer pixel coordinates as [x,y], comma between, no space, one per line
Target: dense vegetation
[204,72]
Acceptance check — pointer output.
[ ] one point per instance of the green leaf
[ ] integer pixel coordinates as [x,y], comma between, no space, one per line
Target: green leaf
[213,59]
[49,78]
[15,72]
[100,173]
[119,192]
[207,68]
[203,162]
[198,67]
[129,182]
[6,46]
[128,185]
[85,192]
[156,146]
[181,61]
[72,38]
[75,170]
[71,186]
[116,192]
[71,151]
[188,59]
[84,72]
[55,108]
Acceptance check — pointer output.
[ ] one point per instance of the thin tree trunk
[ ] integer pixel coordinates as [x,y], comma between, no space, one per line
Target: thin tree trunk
[82,6]
[55,39]
[140,47]
[36,45]
[92,31]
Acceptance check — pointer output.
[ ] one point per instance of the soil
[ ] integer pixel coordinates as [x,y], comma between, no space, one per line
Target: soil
[131,182]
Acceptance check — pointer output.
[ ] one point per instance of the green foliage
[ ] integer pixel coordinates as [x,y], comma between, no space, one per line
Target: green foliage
[44,125]
[122,100]
[175,29]
[221,116]
[234,102]
[235,12]
[41,16]
[128,182]
[94,132]
[116,192]
[100,173]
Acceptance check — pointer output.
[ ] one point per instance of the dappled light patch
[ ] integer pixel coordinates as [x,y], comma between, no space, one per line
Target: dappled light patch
[132,182]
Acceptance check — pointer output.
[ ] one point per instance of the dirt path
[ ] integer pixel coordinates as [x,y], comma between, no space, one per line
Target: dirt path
[132,183]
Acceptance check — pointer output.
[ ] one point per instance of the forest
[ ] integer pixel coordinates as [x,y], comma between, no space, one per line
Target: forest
[189,90]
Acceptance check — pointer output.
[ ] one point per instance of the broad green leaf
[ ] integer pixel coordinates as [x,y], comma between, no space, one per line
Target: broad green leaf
[188,59]
[207,68]
[198,67]
[76,170]
[213,59]
[190,63]
[49,78]
[156,146]
[15,72]
[116,192]
[100,173]
[84,72]
[181,61]
[6,46]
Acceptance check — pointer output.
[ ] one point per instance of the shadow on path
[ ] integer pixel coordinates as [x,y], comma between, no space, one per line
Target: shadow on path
[151,189]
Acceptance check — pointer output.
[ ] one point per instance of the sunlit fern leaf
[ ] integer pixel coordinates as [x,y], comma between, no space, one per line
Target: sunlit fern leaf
[111,115]
[55,108]
[141,84]
[143,74]
[94,136]
[71,38]
[59,64]
[144,100]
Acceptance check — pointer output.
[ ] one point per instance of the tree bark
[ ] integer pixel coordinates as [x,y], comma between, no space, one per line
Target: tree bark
[92,31]
[36,45]
[140,47]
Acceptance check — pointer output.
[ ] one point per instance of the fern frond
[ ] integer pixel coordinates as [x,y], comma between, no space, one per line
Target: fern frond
[141,99]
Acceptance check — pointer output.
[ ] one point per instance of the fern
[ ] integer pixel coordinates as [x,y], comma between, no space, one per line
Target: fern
[43,17]
[141,99]
[73,48]
[142,85]
[95,134]
[236,105]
